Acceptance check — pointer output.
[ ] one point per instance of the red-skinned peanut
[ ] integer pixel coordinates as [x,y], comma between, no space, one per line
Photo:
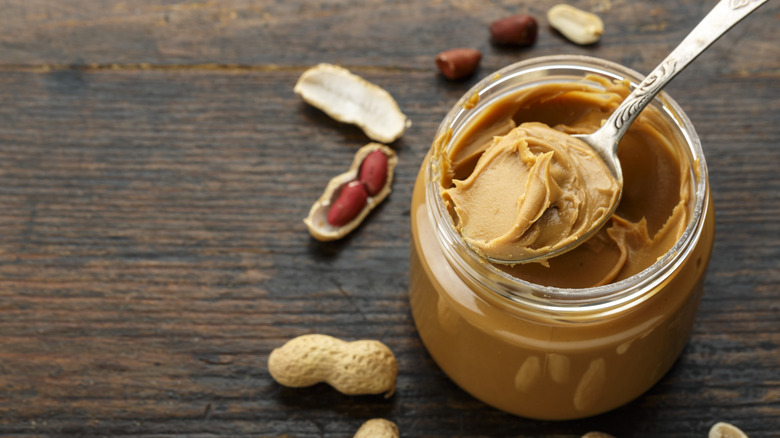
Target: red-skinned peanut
[350,196]
[349,203]
[516,30]
[373,172]
[458,63]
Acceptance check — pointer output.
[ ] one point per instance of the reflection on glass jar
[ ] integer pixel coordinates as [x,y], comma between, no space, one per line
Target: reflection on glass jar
[592,329]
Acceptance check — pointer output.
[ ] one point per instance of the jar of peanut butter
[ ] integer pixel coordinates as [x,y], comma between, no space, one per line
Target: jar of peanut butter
[589,330]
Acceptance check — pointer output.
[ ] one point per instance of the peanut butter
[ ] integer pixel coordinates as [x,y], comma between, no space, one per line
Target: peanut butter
[533,191]
[517,188]
[535,339]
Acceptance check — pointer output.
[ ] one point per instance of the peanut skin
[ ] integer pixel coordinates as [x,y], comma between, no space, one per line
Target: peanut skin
[516,30]
[373,172]
[377,428]
[458,63]
[340,210]
[352,368]
[348,204]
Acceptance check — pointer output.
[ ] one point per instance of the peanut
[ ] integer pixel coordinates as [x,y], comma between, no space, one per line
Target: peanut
[373,172]
[458,63]
[350,201]
[577,25]
[516,30]
[377,428]
[352,368]
[597,435]
[725,430]
[327,219]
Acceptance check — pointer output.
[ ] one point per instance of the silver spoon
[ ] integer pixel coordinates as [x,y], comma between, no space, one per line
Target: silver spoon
[605,140]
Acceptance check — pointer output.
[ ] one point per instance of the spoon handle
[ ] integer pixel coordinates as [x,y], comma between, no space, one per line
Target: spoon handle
[721,18]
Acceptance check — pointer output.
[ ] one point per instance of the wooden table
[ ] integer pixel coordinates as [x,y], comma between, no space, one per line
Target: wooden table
[155,168]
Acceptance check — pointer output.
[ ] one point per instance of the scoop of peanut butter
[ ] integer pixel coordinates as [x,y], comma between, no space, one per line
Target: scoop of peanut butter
[516,182]
[533,191]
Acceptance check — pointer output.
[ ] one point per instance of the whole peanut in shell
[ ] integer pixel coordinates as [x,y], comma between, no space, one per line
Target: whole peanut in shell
[352,368]
[377,428]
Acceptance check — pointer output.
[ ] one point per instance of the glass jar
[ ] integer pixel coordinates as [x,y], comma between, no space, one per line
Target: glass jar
[548,352]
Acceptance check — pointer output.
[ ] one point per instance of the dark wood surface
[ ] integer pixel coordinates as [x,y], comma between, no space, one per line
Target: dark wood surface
[155,168]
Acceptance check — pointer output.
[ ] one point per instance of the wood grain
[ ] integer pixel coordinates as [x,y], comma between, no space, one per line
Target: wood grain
[155,167]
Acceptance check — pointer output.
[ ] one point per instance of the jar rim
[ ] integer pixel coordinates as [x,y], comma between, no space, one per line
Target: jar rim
[551,298]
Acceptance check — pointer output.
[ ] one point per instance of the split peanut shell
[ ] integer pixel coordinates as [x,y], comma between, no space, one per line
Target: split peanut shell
[317,220]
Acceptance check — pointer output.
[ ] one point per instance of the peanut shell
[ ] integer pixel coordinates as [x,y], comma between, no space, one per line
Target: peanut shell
[352,368]
[377,428]
[725,430]
[349,98]
[576,25]
[317,220]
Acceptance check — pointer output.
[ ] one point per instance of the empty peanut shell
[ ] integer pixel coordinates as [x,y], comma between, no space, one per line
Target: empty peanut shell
[351,99]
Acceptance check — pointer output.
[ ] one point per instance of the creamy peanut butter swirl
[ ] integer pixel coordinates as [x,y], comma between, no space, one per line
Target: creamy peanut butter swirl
[515,182]
[533,191]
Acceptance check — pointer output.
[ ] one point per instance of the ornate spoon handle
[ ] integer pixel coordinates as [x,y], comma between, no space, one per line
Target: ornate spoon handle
[721,18]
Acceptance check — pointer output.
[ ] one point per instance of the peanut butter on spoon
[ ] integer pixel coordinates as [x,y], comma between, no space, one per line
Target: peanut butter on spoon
[533,191]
